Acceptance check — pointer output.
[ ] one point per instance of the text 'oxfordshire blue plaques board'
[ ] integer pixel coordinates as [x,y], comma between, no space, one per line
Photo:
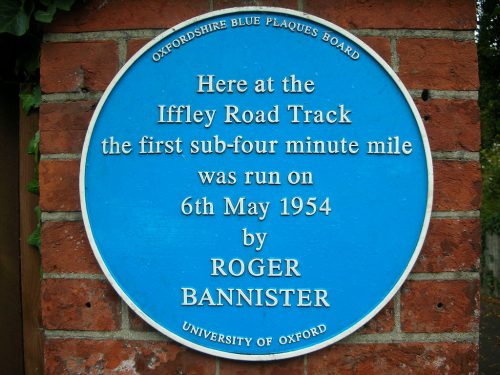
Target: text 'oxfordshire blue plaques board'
[256,183]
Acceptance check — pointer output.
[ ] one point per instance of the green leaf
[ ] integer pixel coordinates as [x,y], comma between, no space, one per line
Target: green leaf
[34,149]
[34,239]
[15,16]
[34,186]
[46,16]
[64,4]
[31,99]
[34,143]
[38,213]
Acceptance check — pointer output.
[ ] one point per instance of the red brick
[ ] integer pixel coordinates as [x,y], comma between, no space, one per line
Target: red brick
[438,64]
[451,124]
[451,245]
[457,185]
[65,249]
[77,66]
[389,14]
[59,185]
[95,15]
[395,359]
[220,4]
[135,45]
[294,366]
[63,126]
[381,45]
[73,356]
[137,323]
[440,306]
[80,305]
[383,322]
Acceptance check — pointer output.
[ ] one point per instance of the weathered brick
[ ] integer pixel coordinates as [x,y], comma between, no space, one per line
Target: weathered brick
[451,124]
[73,356]
[63,126]
[220,4]
[80,305]
[457,185]
[389,14]
[381,45]
[294,366]
[59,185]
[65,249]
[451,245]
[438,64]
[77,66]
[440,306]
[383,322]
[96,15]
[134,45]
[445,358]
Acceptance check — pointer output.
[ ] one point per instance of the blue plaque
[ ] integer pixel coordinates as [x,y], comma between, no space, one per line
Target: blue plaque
[256,183]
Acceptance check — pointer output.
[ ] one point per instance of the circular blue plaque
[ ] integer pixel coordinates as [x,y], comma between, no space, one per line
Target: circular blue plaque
[256,183]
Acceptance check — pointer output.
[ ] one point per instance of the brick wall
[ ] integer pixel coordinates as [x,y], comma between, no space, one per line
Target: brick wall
[430,327]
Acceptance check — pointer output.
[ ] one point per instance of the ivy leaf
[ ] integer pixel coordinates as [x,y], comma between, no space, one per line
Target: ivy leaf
[33,186]
[46,16]
[31,99]
[34,239]
[38,213]
[64,4]
[15,16]
[34,143]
